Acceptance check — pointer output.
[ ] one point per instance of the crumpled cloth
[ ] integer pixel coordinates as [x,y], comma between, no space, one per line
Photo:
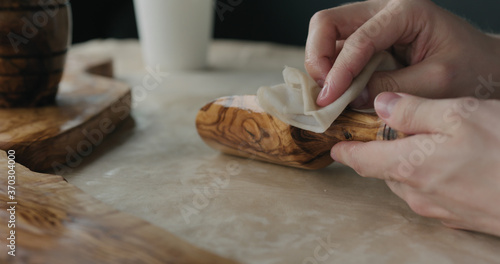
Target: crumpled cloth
[294,102]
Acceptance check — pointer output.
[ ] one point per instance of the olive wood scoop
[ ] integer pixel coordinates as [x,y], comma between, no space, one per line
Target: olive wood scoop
[237,125]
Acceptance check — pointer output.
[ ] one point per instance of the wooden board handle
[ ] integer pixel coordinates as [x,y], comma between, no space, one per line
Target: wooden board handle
[237,125]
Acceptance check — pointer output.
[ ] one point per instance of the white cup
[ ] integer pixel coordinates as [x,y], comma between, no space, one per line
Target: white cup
[175,34]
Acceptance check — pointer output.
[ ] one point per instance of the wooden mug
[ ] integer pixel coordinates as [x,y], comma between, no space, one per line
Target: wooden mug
[35,36]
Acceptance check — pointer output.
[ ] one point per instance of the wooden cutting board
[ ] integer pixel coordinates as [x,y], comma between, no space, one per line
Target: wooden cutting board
[56,222]
[89,106]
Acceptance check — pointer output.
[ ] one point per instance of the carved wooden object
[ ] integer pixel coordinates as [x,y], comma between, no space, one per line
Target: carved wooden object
[34,41]
[56,222]
[57,137]
[237,125]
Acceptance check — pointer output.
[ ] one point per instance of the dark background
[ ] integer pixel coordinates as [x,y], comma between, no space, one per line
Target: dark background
[281,21]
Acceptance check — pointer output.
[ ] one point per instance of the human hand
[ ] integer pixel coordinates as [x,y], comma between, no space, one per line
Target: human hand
[443,53]
[449,169]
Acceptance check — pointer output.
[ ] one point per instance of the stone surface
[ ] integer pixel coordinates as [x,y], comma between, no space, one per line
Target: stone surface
[157,168]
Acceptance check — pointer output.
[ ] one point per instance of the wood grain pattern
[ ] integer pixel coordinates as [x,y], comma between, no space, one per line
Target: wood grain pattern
[58,223]
[35,36]
[237,125]
[56,137]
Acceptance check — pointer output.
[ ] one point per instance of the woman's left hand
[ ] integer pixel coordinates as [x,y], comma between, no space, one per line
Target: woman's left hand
[449,169]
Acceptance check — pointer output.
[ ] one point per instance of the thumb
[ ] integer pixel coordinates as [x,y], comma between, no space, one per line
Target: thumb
[419,79]
[411,114]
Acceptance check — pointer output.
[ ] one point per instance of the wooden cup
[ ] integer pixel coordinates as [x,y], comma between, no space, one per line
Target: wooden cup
[35,36]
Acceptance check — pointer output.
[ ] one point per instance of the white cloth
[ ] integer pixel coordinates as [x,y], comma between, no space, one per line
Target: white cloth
[294,102]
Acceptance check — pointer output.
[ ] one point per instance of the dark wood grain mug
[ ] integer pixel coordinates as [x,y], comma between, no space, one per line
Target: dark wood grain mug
[35,36]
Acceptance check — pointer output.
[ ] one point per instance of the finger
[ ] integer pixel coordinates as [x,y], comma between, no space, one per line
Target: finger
[376,159]
[415,115]
[378,33]
[419,202]
[325,29]
[424,79]
[339,46]
[453,225]
[404,160]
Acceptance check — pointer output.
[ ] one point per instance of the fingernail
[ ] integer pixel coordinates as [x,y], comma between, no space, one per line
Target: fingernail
[333,155]
[361,100]
[385,102]
[324,92]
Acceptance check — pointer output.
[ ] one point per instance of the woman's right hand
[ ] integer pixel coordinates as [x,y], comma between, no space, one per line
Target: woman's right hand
[444,56]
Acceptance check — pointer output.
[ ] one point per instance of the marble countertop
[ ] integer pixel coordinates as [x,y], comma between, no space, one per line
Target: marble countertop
[156,167]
